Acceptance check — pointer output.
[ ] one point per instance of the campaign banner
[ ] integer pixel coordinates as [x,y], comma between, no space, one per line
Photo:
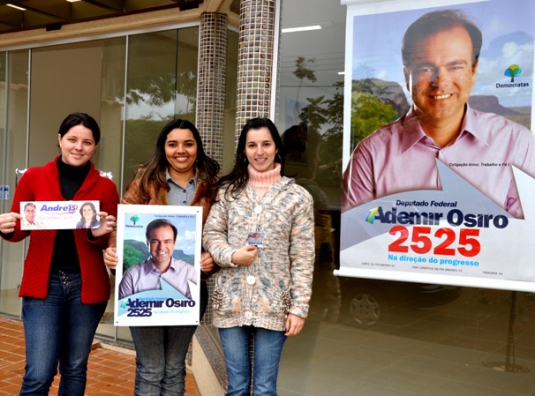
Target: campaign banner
[157,281]
[453,236]
[59,215]
[439,153]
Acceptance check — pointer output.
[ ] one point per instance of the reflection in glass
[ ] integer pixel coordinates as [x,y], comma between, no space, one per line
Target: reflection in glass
[13,156]
[3,118]
[111,106]
[389,338]
[109,160]
[161,85]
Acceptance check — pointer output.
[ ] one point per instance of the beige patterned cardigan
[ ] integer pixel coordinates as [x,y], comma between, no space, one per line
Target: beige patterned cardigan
[279,280]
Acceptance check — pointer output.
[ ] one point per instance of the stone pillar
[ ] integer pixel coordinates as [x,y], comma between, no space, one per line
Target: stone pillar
[255,58]
[211,82]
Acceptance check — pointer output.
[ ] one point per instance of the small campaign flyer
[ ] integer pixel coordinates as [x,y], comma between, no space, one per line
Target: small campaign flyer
[59,215]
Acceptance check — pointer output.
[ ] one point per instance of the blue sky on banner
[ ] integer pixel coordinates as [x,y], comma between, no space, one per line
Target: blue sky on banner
[185,224]
[508,38]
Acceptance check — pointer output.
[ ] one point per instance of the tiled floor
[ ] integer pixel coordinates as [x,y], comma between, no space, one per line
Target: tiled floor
[110,372]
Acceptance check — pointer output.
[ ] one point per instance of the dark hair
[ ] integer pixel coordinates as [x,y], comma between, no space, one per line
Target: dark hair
[153,170]
[158,223]
[90,204]
[236,180]
[29,204]
[438,21]
[80,119]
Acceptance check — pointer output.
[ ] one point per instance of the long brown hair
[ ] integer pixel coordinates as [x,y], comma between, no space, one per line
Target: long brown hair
[153,170]
[235,181]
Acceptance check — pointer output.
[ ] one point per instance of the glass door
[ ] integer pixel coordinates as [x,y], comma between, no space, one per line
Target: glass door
[14,83]
[38,88]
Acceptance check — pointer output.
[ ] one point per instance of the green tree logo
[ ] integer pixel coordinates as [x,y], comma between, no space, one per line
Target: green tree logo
[134,219]
[513,71]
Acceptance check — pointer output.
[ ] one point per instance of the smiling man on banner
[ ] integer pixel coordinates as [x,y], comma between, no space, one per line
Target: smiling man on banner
[440,54]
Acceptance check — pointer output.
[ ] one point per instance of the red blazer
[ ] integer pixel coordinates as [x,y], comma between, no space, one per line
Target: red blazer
[42,184]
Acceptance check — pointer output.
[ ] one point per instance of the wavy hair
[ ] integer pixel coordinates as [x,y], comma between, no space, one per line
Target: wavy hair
[90,204]
[234,182]
[153,170]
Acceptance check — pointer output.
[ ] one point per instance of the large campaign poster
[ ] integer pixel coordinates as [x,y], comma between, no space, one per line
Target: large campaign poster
[458,212]
[158,274]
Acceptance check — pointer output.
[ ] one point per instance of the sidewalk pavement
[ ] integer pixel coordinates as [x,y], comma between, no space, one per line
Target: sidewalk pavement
[111,371]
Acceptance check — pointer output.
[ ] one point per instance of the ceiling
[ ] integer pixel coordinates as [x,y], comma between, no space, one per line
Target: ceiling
[52,14]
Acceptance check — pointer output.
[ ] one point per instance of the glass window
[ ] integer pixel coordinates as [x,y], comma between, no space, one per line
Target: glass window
[132,85]
[3,120]
[161,85]
[111,108]
[368,336]
[14,140]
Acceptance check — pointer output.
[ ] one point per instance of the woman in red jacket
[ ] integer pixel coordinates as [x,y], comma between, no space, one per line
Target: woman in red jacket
[65,285]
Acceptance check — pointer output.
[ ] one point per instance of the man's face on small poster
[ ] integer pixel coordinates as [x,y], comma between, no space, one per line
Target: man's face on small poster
[29,213]
[161,245]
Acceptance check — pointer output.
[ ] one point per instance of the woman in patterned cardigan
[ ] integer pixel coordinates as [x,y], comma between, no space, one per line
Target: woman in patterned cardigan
[260,231]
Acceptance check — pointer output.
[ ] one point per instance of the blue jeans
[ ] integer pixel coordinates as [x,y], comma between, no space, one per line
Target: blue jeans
[161,356]
[161,359]
[59,328]
[267,353]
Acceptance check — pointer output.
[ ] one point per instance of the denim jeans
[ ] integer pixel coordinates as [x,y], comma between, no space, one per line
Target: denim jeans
[161,359]
[161,356]
[59,328]
[266,357]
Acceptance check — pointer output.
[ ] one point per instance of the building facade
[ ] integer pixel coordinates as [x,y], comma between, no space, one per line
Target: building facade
[219,63]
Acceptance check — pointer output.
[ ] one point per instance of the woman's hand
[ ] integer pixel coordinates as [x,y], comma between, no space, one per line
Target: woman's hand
[110,258]
[245,255]
[207,263]
[107,224]
[294,325]
[8,221]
